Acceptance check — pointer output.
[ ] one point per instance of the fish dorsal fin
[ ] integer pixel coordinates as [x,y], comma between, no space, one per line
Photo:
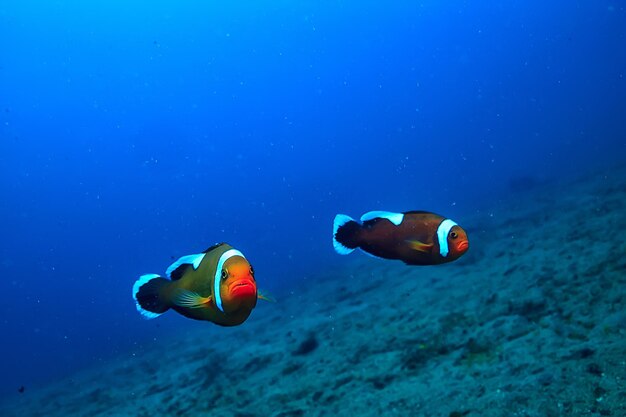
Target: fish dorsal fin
[395,218]
[217,245]
[180,270]
[178,273]
[177,269]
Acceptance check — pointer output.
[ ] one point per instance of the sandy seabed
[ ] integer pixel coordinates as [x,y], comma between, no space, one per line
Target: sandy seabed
[531,322]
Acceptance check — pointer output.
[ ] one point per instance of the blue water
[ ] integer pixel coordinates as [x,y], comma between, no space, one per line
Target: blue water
[132,133]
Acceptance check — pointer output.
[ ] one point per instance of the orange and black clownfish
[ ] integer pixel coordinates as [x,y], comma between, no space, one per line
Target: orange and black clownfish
[415,237]
[216,285]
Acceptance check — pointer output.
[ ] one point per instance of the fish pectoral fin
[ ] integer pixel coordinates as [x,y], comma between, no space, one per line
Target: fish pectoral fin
[191,299]
[265,296]
[420,246]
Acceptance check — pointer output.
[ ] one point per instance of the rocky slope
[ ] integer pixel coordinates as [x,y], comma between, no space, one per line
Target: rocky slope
[531,322]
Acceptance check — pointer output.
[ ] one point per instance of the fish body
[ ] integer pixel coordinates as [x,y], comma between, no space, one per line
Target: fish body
[415,237]
[217,285]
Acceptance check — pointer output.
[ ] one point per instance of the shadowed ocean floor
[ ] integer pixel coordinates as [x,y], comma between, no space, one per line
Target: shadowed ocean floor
[531,322]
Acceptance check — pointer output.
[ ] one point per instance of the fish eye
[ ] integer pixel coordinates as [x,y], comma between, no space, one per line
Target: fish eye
[224,273]
[454,235]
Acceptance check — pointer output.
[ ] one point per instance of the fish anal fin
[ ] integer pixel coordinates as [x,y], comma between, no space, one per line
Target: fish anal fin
[419,246]
[191,299]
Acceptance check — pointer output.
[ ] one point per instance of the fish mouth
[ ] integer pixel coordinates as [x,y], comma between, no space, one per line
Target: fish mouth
[243,288]
[463,246]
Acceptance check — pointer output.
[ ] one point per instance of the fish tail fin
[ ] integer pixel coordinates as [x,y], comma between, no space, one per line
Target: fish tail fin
[345,233]
[146,295]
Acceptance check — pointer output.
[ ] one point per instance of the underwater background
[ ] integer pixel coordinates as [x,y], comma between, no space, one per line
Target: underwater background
[133,132]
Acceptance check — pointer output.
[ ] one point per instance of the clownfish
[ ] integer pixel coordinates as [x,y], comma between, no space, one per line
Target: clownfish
[216,285]
[415,237]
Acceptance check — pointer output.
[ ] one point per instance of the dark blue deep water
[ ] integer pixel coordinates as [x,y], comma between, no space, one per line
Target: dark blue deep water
[135,132]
